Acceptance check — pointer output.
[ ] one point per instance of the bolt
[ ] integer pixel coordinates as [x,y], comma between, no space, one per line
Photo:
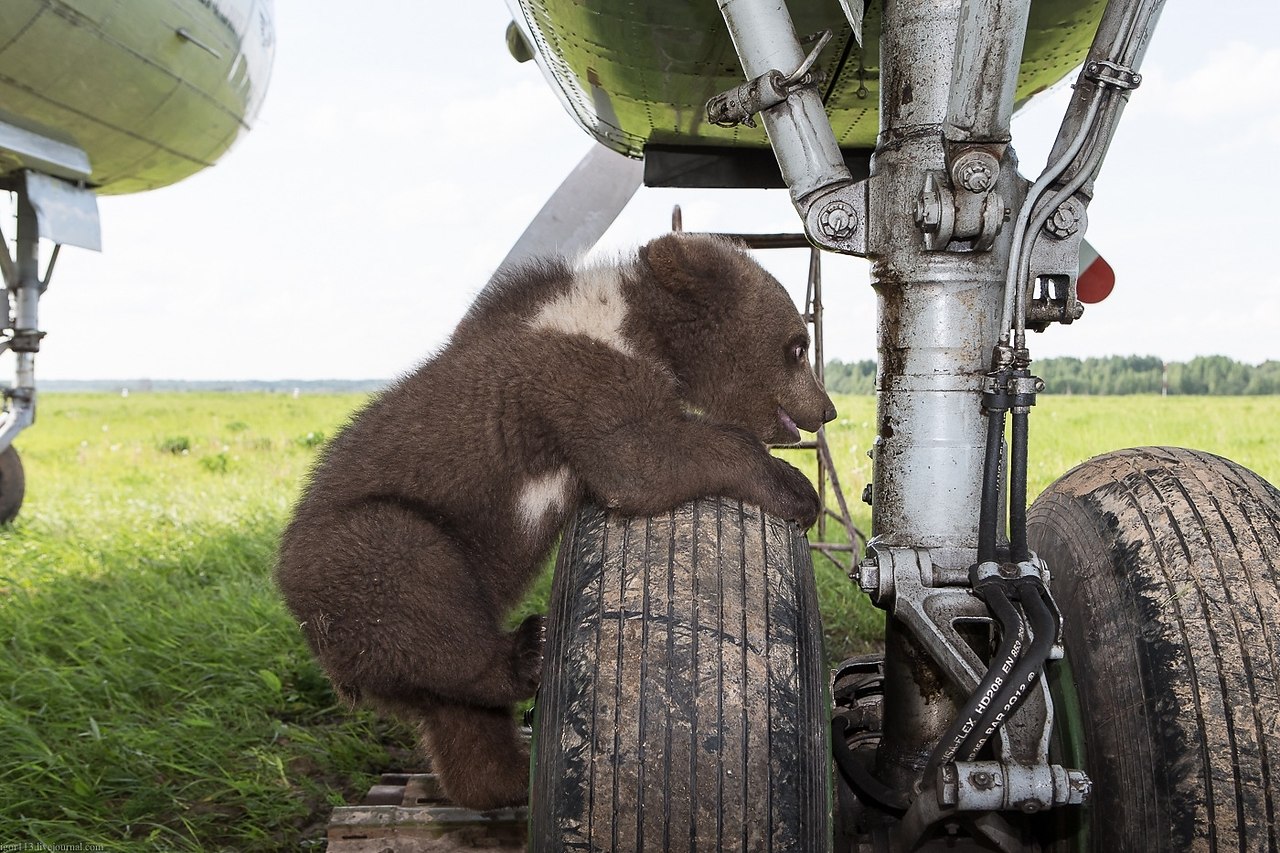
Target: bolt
[1039,384]
[1081,787]
[838,221]
[982,780]
[1065,220]
[975,175]
[1030,806]
[975,171]
[868,576]
[866,494]
[1009,570]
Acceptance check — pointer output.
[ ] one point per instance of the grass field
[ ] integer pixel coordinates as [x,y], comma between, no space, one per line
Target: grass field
[157,696]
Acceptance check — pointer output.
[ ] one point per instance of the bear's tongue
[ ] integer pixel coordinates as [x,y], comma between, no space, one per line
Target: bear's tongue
[788,424]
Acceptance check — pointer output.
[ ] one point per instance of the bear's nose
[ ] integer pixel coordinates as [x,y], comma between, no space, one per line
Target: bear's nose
[829,414]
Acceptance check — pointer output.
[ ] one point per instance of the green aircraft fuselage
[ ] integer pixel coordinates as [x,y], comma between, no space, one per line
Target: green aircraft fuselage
[636,73]
[151,90]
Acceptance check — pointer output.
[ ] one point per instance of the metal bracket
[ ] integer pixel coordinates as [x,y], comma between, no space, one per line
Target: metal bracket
[837,220]
[1112,74]
[25,340]
[1055,268]
[931,601]
[1001,785]
[739,104]
[971,214]
[40,150]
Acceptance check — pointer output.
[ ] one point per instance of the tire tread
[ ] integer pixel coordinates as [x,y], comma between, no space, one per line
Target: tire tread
[694,634]
[1178,549]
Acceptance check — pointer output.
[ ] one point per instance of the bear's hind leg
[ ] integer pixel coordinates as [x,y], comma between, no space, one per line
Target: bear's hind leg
[478,754]
[427,623]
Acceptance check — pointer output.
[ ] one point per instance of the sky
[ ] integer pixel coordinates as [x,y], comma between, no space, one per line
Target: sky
[401,151]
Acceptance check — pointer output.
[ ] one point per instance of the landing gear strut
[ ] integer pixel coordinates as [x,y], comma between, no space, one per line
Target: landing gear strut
[56,210]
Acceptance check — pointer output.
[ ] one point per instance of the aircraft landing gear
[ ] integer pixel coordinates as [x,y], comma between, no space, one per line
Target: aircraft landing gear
[64,213]
[12,485]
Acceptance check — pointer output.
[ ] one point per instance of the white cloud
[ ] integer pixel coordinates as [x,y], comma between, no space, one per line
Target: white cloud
[1231,95]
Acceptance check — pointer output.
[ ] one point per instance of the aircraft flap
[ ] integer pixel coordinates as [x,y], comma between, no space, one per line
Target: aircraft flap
[66,213]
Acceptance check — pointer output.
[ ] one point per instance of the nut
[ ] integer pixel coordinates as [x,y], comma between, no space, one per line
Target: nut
[975,171]
[982,780]
[1065,220]
[838,221]
[975,175]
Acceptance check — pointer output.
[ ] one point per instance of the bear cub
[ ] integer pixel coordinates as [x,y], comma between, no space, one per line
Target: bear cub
[639,384]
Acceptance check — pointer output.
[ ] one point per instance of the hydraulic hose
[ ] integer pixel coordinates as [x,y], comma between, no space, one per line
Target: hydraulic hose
[976,714]
[1018,551]
[989,507]
[1044,628]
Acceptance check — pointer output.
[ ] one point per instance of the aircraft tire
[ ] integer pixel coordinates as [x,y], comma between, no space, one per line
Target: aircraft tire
[13,484]
[1164,564]
[684,702]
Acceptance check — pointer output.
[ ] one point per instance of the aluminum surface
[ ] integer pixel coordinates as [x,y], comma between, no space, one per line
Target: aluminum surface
[118,80]
[633,73]
[802,139]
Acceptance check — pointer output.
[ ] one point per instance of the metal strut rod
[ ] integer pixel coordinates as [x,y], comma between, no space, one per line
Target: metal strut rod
[765,39]
[24,289]
[1108,75]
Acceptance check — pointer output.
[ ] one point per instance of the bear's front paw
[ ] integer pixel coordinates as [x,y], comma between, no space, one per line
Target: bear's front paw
[528,653]
[795,497]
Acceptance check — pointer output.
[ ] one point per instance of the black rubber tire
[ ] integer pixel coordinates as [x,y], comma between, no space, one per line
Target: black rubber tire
[684,701]
[13,484]
[1164,564]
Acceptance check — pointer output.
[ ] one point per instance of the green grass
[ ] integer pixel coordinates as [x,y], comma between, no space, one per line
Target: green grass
[155,695]
[1065,431]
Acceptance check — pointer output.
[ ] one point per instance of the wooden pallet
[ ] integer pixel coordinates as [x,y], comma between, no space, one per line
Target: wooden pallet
[406,813]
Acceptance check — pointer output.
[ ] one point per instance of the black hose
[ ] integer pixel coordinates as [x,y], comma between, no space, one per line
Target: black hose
[1044,628]
[1018,490]
[865,786]
[977,713]
[989,509]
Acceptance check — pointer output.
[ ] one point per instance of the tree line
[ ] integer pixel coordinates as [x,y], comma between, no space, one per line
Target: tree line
[1115,374]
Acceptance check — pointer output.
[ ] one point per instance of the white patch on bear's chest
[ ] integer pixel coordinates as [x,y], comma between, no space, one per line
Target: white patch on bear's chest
[546,493]
[593,306]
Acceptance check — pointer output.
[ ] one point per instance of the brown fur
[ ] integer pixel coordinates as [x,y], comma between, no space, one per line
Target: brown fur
[432,510]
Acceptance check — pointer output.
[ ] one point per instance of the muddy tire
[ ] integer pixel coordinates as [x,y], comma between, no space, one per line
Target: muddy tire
[13,485]
[1164,563]
[684,701]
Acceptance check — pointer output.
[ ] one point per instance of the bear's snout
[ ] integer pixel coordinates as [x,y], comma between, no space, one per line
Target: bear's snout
[814,410]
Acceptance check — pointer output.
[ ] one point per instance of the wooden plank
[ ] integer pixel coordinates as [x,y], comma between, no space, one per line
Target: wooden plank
[406,813]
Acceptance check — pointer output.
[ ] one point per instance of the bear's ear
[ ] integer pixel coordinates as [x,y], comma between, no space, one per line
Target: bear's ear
[665,257]
[685,263]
